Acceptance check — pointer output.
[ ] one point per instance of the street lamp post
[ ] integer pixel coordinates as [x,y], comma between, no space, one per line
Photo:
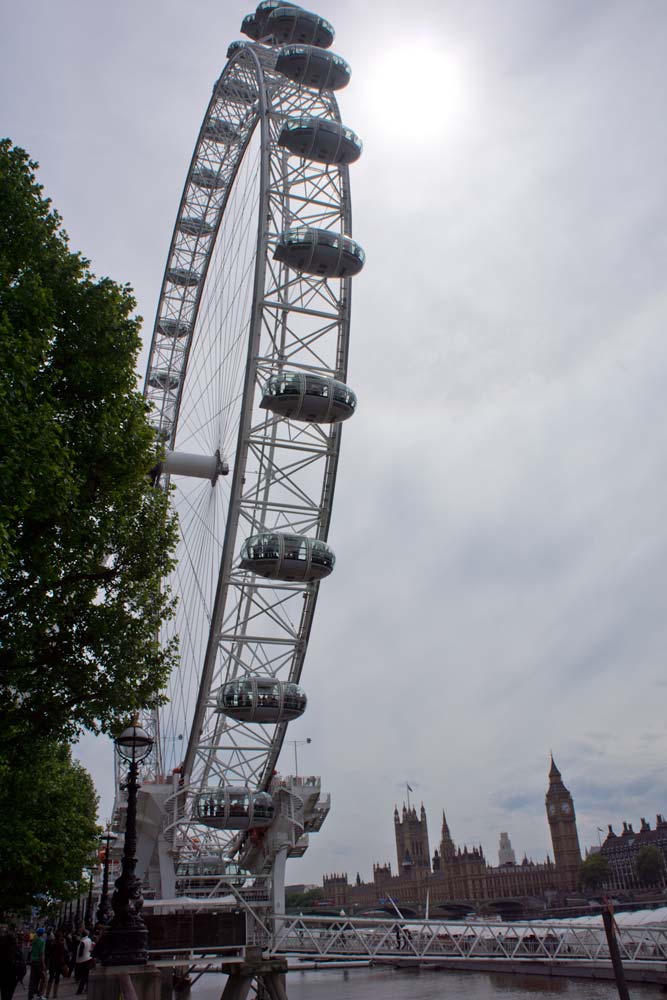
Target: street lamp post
[88,916]
[104,911]
[126,940]
[295,744]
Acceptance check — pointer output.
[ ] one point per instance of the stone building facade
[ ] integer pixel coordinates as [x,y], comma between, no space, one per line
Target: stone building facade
[458,874]
[621,851]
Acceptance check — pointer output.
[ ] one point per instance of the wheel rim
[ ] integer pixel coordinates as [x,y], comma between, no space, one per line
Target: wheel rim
[215,343]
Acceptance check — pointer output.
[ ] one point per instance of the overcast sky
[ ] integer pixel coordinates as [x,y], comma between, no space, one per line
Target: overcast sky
[499,521]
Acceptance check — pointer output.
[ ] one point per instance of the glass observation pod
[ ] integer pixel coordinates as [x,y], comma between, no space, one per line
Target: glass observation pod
[320,139]
[254,25]
[236,47]
[181,276]
[163,380]
[233,808]
[193,226]
[173,327]
[213,868]
[320,252]
[235,91]
[293,24]
[261,699]
[163,432]
[313,398]
[219,130]
[313,67]
[287,557]
[204,177]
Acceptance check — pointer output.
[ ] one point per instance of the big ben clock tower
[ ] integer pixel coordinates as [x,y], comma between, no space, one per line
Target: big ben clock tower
[563,827]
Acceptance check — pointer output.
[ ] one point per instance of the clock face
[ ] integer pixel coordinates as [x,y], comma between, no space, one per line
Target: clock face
[566,808]
[552,809]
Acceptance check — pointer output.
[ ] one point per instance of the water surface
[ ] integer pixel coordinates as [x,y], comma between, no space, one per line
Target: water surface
[392,984]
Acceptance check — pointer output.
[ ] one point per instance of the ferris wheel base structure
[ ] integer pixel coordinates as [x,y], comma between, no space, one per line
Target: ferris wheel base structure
[299,807]
[247,391]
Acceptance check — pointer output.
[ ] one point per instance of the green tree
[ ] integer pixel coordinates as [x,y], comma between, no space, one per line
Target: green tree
[649,865]
[84,538]
[48,828]
[593,872]
[303,900]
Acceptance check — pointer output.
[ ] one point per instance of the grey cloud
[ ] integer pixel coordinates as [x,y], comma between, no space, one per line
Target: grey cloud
[499,515]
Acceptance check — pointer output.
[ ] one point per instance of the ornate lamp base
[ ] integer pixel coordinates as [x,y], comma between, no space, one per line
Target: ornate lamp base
[123,946]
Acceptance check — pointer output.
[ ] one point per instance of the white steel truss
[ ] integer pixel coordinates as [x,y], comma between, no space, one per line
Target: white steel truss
[229,316]
[433,941]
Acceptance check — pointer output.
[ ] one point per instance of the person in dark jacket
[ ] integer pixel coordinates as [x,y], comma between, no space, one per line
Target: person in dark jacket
[12,965]
[57,962]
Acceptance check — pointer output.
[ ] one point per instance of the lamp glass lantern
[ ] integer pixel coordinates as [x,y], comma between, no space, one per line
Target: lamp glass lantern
[134,744]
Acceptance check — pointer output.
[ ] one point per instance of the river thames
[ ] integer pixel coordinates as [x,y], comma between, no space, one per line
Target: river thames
[390,984]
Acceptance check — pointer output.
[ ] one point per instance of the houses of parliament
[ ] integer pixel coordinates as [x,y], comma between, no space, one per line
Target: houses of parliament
[464,874]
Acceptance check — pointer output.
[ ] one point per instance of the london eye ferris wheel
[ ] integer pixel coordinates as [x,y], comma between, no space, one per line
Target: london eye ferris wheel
[247,377]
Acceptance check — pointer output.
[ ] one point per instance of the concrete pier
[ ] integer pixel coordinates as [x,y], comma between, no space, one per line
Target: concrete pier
[269,973]
[131,982]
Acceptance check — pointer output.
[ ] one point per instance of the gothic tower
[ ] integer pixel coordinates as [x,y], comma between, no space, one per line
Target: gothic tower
[447,846]
[412,850]
[563,827]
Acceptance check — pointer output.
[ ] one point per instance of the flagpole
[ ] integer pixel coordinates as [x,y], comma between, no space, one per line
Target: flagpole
[408,788]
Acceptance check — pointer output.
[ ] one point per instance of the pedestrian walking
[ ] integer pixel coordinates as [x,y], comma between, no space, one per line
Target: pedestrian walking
[73,946]
[37,965]
[12,965]
[57,964]
[84,961]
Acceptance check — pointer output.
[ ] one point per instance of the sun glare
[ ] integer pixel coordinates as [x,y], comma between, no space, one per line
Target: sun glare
[416,93]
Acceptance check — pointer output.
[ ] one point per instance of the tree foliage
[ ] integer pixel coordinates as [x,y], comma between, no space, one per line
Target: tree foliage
[649,865]
[48,829]
[303,900]
[593,872]
[84,538]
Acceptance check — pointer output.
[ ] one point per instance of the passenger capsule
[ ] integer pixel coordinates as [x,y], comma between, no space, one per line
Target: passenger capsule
[165,380]
[308,397]
[182,276]
[236,47]
[204,177]
[233,808]
[261,699]
[255,25]
[320,252]
[321,139]
[251,27]
[293,24]
[235,91]
[192,226]
[287,557]
[208,871]
[313,67]
[162,425]
[173,328]
[219,130]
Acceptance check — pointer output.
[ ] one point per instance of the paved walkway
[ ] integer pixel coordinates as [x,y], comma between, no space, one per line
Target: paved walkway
[66,990]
